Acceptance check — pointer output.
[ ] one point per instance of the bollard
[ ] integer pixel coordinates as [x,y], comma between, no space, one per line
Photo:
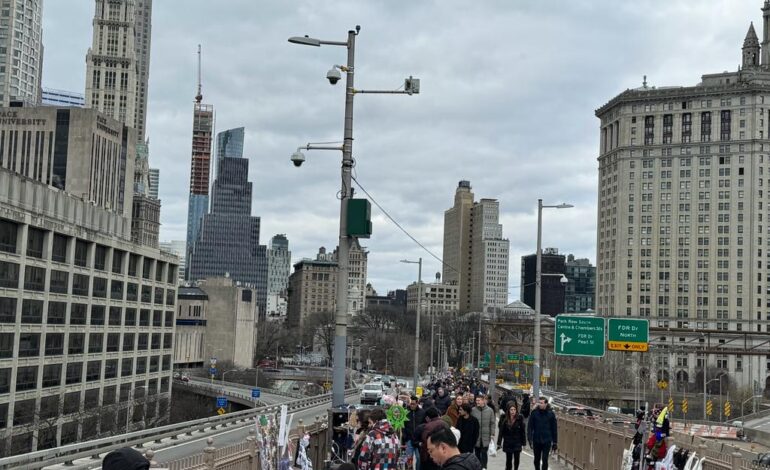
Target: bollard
[149,456]
[736,460]
[252,441]
[208,455]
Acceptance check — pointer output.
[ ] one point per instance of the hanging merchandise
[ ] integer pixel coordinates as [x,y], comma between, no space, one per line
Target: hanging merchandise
[302,459]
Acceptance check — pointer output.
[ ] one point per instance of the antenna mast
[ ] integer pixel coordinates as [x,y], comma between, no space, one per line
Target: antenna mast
[199,96]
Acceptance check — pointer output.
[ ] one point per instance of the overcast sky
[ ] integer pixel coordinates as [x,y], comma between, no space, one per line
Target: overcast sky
[509,90]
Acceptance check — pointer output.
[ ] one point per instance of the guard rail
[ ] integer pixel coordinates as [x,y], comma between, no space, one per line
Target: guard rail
[71,452]
[219,384]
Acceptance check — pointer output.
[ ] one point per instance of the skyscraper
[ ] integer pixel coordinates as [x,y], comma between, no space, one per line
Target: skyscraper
[200,167]
[228,238]
[475,252]
[457,243]
[154,175]
[142,40]
[680,167]
[21,52]
[278,270]
[111,66]
[229,145]
[581,286]
[552,290]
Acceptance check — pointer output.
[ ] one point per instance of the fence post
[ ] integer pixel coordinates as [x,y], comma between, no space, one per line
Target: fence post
[208,454]
[252,440]
[736,460]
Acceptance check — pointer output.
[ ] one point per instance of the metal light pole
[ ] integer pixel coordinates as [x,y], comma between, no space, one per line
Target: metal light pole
[386,361]
[416,371]
[341,316]
[223,375]
[538,277]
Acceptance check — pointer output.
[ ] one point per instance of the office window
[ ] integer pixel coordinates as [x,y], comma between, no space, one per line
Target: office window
[35,238]
[95,342]
[78,314]
[5,381]
[77,343]
[110,368]
[74,373]
[52,377]
[26,378]
[127,367]
[54,344]
[34,278]
[97,314]
[59,283]
[93,370]
[57,313]
[100,257]
[115,316]
[128,341]
[8,236]
[80,284]
[32,311]
[132,292]
[7,310]
[9,274]
[130,319]
[100,288]
[6,345]
[59,248]
[81,253]
[116,290]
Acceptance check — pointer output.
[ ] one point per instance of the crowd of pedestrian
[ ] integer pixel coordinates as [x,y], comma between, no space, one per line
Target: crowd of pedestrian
[455,424]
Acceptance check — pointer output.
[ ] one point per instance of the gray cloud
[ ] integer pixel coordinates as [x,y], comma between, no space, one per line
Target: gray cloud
[508,95]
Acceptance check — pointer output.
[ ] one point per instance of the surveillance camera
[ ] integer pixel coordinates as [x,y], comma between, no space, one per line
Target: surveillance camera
[333,75]
[298,158]
[564,280]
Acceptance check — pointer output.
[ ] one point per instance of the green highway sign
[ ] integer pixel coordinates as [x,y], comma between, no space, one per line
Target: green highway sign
[579,336]
[628,334]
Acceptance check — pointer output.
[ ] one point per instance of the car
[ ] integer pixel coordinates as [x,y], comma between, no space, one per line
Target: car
[184,378]
[613,409]
[580,411]
[377,378]
[401,383]
[371,393]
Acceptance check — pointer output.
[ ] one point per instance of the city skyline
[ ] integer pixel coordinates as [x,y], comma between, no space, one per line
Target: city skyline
[533,56]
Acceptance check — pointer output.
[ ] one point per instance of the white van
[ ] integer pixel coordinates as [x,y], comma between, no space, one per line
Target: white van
[613,409]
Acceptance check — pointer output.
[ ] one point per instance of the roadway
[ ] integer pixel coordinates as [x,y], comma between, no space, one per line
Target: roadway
[240,389]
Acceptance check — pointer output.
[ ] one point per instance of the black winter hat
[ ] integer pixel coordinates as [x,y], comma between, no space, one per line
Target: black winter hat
[125,459]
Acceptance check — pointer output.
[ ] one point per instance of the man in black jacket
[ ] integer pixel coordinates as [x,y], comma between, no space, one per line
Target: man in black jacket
[542,433]
[415,417]
[442,447]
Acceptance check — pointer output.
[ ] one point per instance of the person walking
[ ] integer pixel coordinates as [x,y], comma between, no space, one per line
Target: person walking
[512,436]
[442,447]
[542,433]
[454,409]
[432,422]
[380,448]
[487,423]
[415,417]
[469,429]
[442,400]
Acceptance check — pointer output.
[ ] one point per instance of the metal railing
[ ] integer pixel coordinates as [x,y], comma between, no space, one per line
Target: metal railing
[71,452]
[219,384]
[586,444]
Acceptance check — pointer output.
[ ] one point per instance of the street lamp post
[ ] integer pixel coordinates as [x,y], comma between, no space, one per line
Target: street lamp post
[225,372]
[538,276]
[346,192]
[416,370]
[386,361]
[753,398]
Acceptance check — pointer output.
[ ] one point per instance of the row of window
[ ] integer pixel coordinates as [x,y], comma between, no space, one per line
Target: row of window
[53,343]
[29,378]
[34,280]
[33,312]
[84,253]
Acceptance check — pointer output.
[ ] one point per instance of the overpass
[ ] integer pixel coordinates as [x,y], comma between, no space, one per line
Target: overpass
[235,392]
[170,442]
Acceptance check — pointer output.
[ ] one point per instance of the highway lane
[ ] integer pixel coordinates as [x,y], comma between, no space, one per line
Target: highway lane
[235,434]
[265,398]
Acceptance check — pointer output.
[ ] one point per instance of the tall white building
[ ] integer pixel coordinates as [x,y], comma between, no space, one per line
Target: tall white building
[111,65]
[176,247]
[142,40]
[475,252]
[278,270]
[684,208]
[21,51]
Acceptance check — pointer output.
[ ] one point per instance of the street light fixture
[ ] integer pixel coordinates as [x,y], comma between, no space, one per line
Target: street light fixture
[538,279]
[415,371]
[341,315]
[223,376]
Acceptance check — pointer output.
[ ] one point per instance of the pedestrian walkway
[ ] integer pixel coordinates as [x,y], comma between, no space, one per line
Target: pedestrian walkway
[498,463]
